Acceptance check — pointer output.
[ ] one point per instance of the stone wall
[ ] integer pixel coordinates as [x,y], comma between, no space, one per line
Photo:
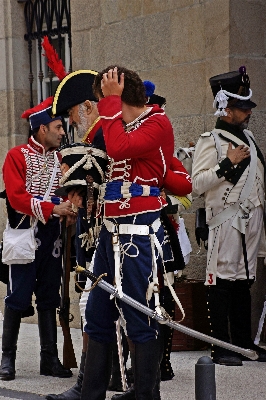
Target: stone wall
[178,44]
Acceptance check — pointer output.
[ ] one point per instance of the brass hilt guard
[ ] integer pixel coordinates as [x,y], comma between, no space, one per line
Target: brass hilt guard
[164,319]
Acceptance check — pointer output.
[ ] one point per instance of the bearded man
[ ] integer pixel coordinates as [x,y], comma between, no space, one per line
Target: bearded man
[74,98]
[228,168]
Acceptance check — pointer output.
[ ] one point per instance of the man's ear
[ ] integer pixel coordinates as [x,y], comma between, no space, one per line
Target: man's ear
[228,111]
[89,106]
[42,130]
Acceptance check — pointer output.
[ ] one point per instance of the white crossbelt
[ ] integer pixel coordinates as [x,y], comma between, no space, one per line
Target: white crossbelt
[131,229]
[242,208]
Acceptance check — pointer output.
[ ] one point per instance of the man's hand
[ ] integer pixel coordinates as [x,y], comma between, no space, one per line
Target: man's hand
[64,208]
[238,154]
[110,85]
[76,198]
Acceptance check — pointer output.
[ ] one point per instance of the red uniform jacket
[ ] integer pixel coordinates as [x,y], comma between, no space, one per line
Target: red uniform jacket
[26,172]
[142,154]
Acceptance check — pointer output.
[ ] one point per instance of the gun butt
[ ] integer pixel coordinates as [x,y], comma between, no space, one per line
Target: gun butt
[69,358]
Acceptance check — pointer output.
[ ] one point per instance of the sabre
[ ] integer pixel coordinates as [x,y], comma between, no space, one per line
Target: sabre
[164,319]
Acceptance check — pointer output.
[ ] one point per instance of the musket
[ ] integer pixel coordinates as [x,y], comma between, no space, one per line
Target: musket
[164,318]
[69,359]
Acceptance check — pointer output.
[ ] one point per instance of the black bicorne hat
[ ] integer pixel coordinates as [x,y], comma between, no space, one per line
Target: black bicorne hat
[74,89]
[151,97]
[231,89]
[156,99]
[80,161]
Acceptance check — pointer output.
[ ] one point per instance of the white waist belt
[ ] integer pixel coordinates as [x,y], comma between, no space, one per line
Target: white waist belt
[131,229]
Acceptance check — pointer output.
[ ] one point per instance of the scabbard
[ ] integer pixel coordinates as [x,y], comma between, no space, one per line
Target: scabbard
[163,319]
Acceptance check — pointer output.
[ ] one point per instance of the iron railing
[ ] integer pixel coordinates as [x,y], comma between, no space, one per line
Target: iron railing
[51,18]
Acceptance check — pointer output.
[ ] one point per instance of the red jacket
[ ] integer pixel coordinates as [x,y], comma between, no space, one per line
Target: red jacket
[26,173]
[177,180]
[141,155]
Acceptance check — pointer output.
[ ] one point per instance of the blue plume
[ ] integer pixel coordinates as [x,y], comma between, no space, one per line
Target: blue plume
[149,88]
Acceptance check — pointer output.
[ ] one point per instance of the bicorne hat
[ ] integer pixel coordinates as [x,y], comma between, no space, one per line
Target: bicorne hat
[40,114]
[74,89]
[80,161]
[231,89]
[151,97]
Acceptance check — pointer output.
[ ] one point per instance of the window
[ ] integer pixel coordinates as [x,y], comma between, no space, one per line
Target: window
[50,82]
[46,18]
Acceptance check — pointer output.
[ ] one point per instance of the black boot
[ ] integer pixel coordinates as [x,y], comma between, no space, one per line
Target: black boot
[97,370]
[49,363]
[74,392]
[147,364]
[167,372]
[11,326]
[166,332]
[129,394]
[240,320]
[219,301]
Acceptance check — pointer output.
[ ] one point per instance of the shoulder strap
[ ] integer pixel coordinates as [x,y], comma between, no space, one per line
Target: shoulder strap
[217,144]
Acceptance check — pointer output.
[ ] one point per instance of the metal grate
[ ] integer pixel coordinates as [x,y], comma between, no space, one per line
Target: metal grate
[51,18]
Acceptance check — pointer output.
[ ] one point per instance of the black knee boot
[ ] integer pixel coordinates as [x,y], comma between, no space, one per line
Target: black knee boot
[49,363]
[147,365]
[219,302]
[11,326]
[97,370]
[74,392]
[115,383]
[130,394]
[167,335]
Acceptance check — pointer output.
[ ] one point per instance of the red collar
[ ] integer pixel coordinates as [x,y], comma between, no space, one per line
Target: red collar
[39,147]
[89,135]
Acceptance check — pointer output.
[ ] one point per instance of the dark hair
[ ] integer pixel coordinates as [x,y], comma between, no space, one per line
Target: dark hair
[134,90]
[35,131]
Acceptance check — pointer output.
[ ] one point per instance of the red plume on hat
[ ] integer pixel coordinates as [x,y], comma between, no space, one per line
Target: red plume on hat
[42,106]
[54,62]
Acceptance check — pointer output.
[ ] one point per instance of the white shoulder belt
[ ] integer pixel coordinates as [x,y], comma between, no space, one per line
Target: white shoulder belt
[242,207]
